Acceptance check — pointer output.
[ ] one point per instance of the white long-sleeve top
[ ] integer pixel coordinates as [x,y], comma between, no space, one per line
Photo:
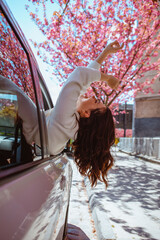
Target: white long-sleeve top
[62,122]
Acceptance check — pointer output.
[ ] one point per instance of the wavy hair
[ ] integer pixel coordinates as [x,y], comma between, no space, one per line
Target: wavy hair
[91,148]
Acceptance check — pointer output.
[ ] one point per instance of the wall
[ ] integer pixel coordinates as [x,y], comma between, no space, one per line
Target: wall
[147,116]
[147,106]
[141,146]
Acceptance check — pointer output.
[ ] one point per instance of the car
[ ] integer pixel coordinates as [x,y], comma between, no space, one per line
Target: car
[34,185]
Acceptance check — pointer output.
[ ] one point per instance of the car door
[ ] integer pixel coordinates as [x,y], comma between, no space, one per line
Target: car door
[34,186]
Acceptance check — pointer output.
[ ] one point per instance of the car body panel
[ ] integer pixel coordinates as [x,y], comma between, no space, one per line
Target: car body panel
[32,201]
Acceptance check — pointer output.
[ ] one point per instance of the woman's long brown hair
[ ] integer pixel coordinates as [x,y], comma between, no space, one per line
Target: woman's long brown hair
[95,136]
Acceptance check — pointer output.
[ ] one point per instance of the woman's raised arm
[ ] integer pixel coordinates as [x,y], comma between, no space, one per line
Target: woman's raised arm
[113,47]
[109,49]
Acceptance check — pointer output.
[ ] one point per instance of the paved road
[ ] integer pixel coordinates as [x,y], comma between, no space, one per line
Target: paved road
[132,200]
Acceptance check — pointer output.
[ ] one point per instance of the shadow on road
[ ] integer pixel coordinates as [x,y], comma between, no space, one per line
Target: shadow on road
[131,181]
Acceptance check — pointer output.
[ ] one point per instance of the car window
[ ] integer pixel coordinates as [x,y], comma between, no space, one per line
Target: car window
[19,130]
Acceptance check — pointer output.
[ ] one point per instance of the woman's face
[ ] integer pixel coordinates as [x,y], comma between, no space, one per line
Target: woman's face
[88,104]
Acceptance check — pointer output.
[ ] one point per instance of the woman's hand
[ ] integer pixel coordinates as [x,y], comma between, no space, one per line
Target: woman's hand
[113,47]
[112,81]
[109,49]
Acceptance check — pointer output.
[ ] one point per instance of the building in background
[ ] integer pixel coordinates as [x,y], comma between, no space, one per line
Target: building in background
[147,108]
[147,114]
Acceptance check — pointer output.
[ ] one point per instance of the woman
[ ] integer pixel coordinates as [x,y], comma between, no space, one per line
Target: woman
[88,122]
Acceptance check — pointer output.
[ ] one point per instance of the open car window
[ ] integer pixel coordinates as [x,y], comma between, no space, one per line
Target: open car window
[19,129]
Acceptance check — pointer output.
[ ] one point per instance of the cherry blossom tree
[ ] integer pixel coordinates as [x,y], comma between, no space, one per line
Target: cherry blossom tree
[78,30]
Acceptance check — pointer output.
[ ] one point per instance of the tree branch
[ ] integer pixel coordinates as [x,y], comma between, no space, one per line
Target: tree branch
[65,8]
[117,94]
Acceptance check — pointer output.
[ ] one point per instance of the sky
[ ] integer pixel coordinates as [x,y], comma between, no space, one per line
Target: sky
[31,31]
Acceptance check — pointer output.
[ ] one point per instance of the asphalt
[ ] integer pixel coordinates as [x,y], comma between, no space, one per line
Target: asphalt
[115,213]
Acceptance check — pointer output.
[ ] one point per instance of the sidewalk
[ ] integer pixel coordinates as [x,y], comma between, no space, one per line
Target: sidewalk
[144,157]
[79,213]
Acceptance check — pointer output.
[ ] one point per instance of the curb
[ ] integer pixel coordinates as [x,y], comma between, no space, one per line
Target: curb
[146,158]
[103,227]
